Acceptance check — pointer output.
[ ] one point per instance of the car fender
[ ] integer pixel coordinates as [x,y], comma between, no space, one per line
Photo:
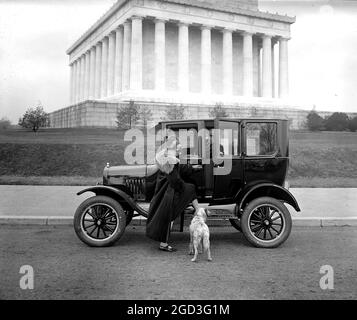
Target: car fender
[116,194]
[266,190]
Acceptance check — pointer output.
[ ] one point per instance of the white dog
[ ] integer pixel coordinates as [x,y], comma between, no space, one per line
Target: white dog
[199,235]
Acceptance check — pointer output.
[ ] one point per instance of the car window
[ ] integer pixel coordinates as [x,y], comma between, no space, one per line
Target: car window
[188,137]
[228,138]
[261,139]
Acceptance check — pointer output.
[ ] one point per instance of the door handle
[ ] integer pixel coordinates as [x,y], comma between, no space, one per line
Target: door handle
[197,166]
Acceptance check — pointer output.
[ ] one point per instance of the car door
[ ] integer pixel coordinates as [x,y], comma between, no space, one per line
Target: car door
[263,159]
[191,152]
[228,165]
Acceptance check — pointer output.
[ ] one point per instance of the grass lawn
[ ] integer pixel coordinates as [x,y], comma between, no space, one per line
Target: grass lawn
[63,136]
[78,156]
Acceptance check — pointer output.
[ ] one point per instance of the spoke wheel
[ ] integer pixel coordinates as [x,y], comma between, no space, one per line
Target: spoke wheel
[266,222]
[99,221]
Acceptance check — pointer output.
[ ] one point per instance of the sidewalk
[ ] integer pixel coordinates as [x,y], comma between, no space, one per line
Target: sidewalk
[57,204]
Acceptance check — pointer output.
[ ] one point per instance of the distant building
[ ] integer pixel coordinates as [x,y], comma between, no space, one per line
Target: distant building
[194,53]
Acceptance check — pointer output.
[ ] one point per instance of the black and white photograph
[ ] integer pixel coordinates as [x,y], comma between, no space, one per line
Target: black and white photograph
[187,153]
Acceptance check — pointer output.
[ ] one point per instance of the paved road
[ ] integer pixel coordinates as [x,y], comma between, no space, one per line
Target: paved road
[135,269]
[63,201]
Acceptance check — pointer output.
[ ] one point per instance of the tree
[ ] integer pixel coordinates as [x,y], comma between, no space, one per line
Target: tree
[127,115]
[4,123]
[145,115]
[352,124]
[218,111]
[34,119]
[176,112]
[314,121]
[338,121]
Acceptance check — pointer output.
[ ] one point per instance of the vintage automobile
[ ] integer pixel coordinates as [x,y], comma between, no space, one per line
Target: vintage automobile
[251,195]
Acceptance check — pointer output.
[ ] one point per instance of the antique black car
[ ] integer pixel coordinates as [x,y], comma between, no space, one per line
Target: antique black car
[240,167]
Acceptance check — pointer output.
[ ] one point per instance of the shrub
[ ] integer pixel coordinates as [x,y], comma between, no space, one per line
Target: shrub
[34,119]
[145,115]
[127,115]
[338,121]
[4,123]
[314,121]
[218,111]
[352,124]
[176,112]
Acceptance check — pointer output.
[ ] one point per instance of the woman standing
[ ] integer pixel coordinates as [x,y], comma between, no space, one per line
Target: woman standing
[172,194]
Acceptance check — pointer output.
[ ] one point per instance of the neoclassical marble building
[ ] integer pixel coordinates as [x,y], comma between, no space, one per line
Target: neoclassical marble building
[194,53]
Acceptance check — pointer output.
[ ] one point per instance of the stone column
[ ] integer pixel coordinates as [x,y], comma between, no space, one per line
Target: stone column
[227,62]
[119,35]
[104,77]
[126,56]
[92,73]
[257,68]
[81,81]
[273,68]
[74,93]
[260,68]
[84,75]
[71,83]
[111,63]
[283,68]
[78,80]
[160,55]
[98,70]
[76,90]
[206,60]
[183,54]
[87,76]
[247,64]
[266,78]
[136,57]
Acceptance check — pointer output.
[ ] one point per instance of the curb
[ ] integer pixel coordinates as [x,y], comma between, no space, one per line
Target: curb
[140,221]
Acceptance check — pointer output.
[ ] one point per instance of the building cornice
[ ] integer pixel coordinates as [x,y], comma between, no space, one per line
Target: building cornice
[244,12]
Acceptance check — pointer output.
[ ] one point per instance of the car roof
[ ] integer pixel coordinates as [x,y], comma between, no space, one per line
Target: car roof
[212,119]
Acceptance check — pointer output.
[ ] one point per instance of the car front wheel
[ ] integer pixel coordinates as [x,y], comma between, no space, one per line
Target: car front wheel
[99,221]
[266,222]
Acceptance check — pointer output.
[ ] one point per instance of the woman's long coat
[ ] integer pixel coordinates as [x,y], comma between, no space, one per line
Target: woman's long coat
[171,197]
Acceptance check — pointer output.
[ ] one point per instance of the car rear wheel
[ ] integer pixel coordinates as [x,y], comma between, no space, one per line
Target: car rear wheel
[266,222]
[99,221]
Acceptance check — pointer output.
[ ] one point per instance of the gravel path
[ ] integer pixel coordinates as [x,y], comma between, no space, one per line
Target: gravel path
[134,268]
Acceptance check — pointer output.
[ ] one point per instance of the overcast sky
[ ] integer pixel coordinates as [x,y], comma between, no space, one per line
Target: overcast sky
[34,35]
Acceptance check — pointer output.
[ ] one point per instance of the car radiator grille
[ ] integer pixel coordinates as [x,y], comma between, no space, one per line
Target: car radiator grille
[137,187]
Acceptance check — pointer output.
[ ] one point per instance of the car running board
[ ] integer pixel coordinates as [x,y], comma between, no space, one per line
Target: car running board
[213,212]
[216,212]
[221,212]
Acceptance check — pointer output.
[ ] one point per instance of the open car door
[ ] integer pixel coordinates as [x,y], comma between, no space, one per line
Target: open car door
[227,158]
